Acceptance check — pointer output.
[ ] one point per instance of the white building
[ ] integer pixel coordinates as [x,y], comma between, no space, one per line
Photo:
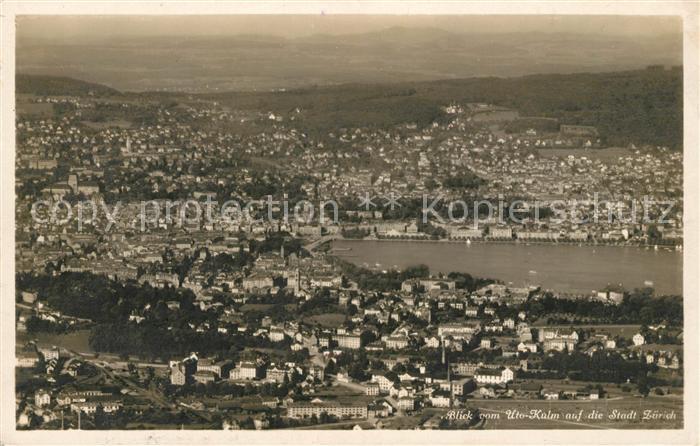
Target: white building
[494,376]
[42,398]
[385,384]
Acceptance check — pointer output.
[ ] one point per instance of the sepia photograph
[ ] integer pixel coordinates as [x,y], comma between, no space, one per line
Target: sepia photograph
[312,221]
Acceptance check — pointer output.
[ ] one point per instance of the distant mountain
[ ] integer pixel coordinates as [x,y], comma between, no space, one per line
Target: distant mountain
[56,86]
[397,54]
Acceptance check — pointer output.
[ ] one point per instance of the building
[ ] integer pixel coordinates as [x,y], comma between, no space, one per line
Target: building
[524,347]
[530,390]
[90,407]
[316,407]
[459,331]
[379,410]
[396,342]
[42,398]
[464,368]
[410,285]
[372,389]
[66,398]
[438,284]
[42,163]
[178,375]
[327,281]
[317,372]
[494,376]
[204,376]
[550,394]
[276,334]
[458,387]
[257,282]
[471,311]
[219,368]
[385,384]
[245,370]
[554,340]
[49,353]
[505,232]
[352,341]
[28,298]
[407,404]
[432,342]
[464,232]
[638,339]
[559,344]
[276,374]
[161,280]
[440,399]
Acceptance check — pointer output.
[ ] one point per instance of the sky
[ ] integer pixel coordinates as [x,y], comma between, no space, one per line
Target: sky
[215,53]
[63,29]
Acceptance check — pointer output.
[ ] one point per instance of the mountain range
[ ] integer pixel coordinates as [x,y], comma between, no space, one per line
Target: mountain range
[398,54]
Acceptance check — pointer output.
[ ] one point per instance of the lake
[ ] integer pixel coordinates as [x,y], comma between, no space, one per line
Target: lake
[568,268]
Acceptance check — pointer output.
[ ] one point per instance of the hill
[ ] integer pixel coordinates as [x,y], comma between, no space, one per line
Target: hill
[640,107]
[57,86]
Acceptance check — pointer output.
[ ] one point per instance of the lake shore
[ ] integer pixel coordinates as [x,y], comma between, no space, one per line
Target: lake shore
[513,242]
[569,268]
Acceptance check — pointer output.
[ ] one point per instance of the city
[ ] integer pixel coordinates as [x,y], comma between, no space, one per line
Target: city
[143,303]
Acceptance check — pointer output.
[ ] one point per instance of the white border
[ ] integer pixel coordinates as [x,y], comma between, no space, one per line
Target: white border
[688,10]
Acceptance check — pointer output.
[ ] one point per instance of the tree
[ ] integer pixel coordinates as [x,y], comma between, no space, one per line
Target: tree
[330,369]
[653,234]
[643,384]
